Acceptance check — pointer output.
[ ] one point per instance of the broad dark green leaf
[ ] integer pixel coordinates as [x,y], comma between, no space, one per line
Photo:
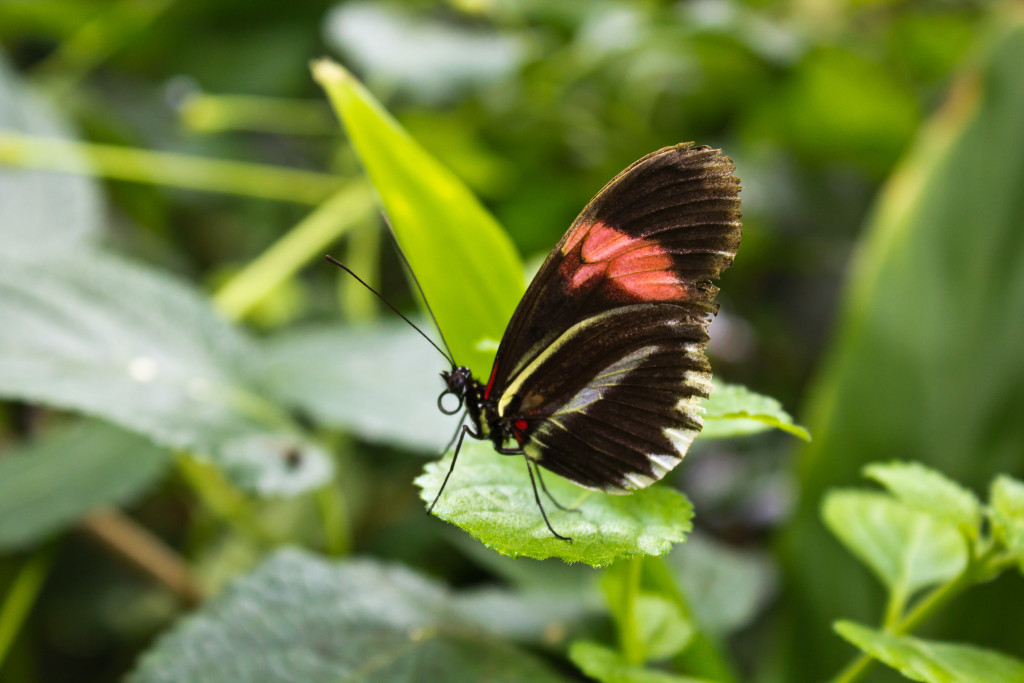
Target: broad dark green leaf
[734,410]
[925,489]
[907,549]
[53,482]
[927,363]
[41,210]
[299,618]
[466,264]
[89,332]
[933,662]
[380,382]
[490,497]
[544,619]
[607,666]
[1007,500]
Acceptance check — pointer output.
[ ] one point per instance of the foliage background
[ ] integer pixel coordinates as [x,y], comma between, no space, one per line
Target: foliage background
[887,320]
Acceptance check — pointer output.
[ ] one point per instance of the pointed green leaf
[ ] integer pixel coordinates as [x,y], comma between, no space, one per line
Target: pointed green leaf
[490,497]
[86,331]
[907,549]
[734,410]
[299,618]
[466,264]
[41,210]
[930,491]
[1007,499]
[607,666]
[929,661]
[53,482]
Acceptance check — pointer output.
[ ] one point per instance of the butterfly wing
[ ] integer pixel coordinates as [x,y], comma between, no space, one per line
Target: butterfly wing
[611,404]
[603,363]
[660,231]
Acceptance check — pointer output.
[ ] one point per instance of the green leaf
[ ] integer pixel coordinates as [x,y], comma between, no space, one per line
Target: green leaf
[734,410]
[440,59]
[660,628]
[49,484]
[545,619]
[607,666]
[726,588]
[298,618]
[925,489]
[907,549]
[41,210]
[89,332]
[663,630]
[490,497]
[933,662]
[1007,500]
[464,261]
[380,382]
[927,362]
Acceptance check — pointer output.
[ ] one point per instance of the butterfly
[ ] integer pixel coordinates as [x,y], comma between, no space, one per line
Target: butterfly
[600,373]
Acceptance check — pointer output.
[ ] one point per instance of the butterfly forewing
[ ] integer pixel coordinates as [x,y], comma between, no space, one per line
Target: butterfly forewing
[602,365]
[660,231]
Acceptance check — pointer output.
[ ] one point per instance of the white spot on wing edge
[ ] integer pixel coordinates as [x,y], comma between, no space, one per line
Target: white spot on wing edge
[635,480]
[663,464]
[681,439]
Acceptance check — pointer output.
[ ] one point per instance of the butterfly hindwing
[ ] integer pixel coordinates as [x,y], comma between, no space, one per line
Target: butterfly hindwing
[611,405]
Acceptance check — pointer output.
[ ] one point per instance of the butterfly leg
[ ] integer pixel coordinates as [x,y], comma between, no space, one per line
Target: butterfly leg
[458,430]
[465,430]
[547,493]
[536,496]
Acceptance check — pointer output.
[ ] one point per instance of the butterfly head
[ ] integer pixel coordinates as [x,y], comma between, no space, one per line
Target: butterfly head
[458,382]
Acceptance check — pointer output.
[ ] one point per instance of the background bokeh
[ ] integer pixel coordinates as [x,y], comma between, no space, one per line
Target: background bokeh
[878,292]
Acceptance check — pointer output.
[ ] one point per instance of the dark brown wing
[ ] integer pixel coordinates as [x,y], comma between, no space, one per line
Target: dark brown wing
[612,403]
[659,232]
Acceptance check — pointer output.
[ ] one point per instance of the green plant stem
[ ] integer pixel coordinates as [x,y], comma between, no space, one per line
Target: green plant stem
[363,256]
[223,501]
[335,520]
[703,656]
[96,40]
[925,608]
[309,239]
[218,113]
[22,596]
[894,609]
[167,168]
[629,640]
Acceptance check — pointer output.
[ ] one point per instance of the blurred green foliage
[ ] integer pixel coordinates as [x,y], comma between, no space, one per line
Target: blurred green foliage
[220,178]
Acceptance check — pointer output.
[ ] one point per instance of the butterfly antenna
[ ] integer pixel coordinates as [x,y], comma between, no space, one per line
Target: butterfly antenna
[412,274]
[397,312]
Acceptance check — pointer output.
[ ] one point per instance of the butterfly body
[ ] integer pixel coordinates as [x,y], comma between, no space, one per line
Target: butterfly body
[600,372]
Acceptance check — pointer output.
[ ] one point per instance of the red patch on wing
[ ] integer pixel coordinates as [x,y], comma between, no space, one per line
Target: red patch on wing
[639,268]
[521,425]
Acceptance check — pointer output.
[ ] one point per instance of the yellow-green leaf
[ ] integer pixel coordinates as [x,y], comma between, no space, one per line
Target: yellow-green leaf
[465,262]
